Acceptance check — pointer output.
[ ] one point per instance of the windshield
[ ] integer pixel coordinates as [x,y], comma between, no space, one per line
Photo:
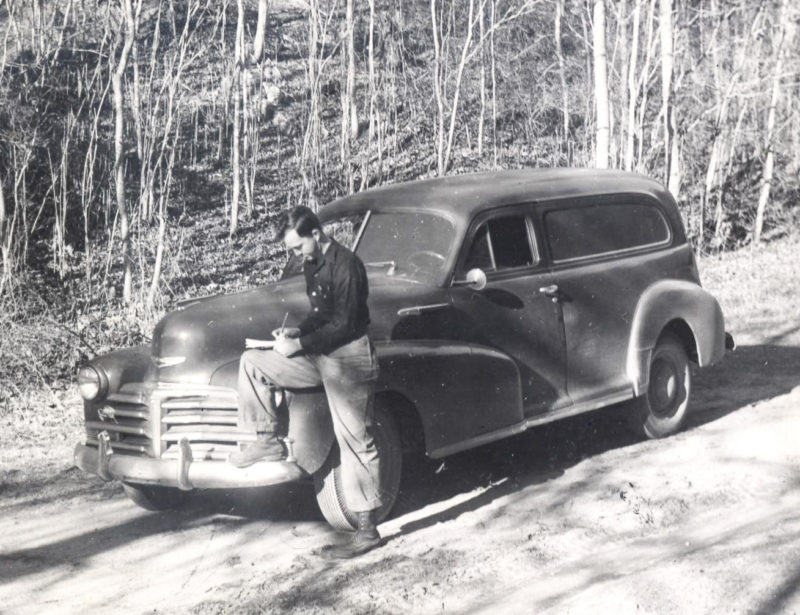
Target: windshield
[405,244]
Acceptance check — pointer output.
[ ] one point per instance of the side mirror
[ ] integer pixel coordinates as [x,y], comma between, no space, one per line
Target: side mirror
[476,278]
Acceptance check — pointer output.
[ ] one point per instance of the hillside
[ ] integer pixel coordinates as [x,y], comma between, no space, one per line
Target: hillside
[145,155]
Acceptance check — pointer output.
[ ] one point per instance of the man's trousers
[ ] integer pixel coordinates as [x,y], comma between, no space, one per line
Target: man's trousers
[348,375]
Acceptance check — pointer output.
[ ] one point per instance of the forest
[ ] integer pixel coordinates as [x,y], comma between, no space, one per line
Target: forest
[147,146]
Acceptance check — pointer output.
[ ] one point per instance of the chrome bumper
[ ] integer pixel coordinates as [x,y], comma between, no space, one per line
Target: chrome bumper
[183,473]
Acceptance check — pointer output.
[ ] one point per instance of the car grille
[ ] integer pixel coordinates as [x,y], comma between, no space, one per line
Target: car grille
[146,420]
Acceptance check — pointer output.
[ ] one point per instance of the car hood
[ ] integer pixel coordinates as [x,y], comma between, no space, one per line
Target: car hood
[210,332]
[190,344]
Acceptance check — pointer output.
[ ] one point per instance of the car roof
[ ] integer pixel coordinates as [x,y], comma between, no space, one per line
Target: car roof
[462,196]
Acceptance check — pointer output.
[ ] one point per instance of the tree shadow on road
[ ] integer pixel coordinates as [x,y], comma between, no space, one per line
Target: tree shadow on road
[75,549]
[508,466]
[473,479]
[744,377]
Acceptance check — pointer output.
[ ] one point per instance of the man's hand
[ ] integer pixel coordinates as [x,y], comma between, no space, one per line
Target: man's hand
[287,346]
[286,332]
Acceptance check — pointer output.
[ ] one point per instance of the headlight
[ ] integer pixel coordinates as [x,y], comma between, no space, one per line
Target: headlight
[91,383]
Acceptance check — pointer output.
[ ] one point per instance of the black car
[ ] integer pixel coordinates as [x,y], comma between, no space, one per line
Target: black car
[499,302]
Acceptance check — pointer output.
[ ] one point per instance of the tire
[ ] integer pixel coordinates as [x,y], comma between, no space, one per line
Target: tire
[328,480]
[155,498]
[662,410]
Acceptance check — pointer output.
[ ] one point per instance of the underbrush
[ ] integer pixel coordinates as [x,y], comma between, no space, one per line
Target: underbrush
[758,288]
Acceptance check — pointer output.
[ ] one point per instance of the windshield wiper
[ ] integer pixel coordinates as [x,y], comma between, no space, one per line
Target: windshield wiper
[390,264]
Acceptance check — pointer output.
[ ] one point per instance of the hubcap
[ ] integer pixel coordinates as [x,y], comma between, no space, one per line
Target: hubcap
[664,387]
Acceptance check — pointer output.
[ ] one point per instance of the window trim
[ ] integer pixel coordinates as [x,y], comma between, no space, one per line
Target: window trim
[525,211]
[605,201]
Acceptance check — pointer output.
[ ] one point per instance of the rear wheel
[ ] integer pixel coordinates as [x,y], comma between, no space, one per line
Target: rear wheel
[328,480]
[661,411]
[154,497]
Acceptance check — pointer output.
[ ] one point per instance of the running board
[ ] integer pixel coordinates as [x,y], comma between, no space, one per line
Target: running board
[534,421]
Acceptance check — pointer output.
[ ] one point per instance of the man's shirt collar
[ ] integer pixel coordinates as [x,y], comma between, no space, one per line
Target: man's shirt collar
[329,251]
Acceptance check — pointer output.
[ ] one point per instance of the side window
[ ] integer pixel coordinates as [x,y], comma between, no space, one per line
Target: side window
[580,232]
[500,243]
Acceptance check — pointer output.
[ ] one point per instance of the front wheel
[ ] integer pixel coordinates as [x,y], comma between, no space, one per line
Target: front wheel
[154,497]
[328,480]
[662,410]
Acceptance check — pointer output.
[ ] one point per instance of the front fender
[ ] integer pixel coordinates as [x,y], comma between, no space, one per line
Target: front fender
[460,390]
[310,425]
[662,303]
[126,365]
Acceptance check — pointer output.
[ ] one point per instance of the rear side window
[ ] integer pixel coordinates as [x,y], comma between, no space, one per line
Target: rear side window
[500,243]
[582,232]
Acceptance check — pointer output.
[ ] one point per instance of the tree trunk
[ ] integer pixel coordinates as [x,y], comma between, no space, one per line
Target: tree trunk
[238,54]
[311,138]
[5,252]
[261,31]
[671,172]
[633,90]
[769,163]
[349,130]
[437,91]
[643,85]
[457,88]
[119,163]
[372,89]
[492,21]
[600,84]
[561,69]
[482,116]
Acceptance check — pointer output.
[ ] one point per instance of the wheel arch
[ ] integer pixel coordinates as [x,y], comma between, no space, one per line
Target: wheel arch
[683,309]
[409,422]
[681,330]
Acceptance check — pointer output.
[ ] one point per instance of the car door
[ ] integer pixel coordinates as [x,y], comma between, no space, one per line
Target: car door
[605,252]
[511,313]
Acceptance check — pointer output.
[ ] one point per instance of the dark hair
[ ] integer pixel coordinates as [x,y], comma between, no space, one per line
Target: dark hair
[300,219]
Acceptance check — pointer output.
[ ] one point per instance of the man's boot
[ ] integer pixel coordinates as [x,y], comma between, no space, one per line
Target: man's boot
[364,539]
[265,448]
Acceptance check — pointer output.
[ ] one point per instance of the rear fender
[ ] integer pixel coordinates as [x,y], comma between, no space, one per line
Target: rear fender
[662,303]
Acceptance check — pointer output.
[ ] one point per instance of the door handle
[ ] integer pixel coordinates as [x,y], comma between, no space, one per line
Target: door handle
[552,292]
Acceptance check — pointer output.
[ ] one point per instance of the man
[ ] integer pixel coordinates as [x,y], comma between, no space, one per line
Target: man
[329,347]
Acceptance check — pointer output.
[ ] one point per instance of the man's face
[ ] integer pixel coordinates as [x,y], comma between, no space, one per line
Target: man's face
[306,248]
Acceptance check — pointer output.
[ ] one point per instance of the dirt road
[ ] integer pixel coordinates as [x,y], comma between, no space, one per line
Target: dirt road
[577,517]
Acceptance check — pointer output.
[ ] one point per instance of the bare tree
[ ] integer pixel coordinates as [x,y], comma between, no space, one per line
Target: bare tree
[372,96]
[643,84]
[5,244]
[349,109]
[600,84]
[633,89]
[261,31]
[437,89]
[238,65]
[671,148]
[119,163]
[769,162]
[561,69]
